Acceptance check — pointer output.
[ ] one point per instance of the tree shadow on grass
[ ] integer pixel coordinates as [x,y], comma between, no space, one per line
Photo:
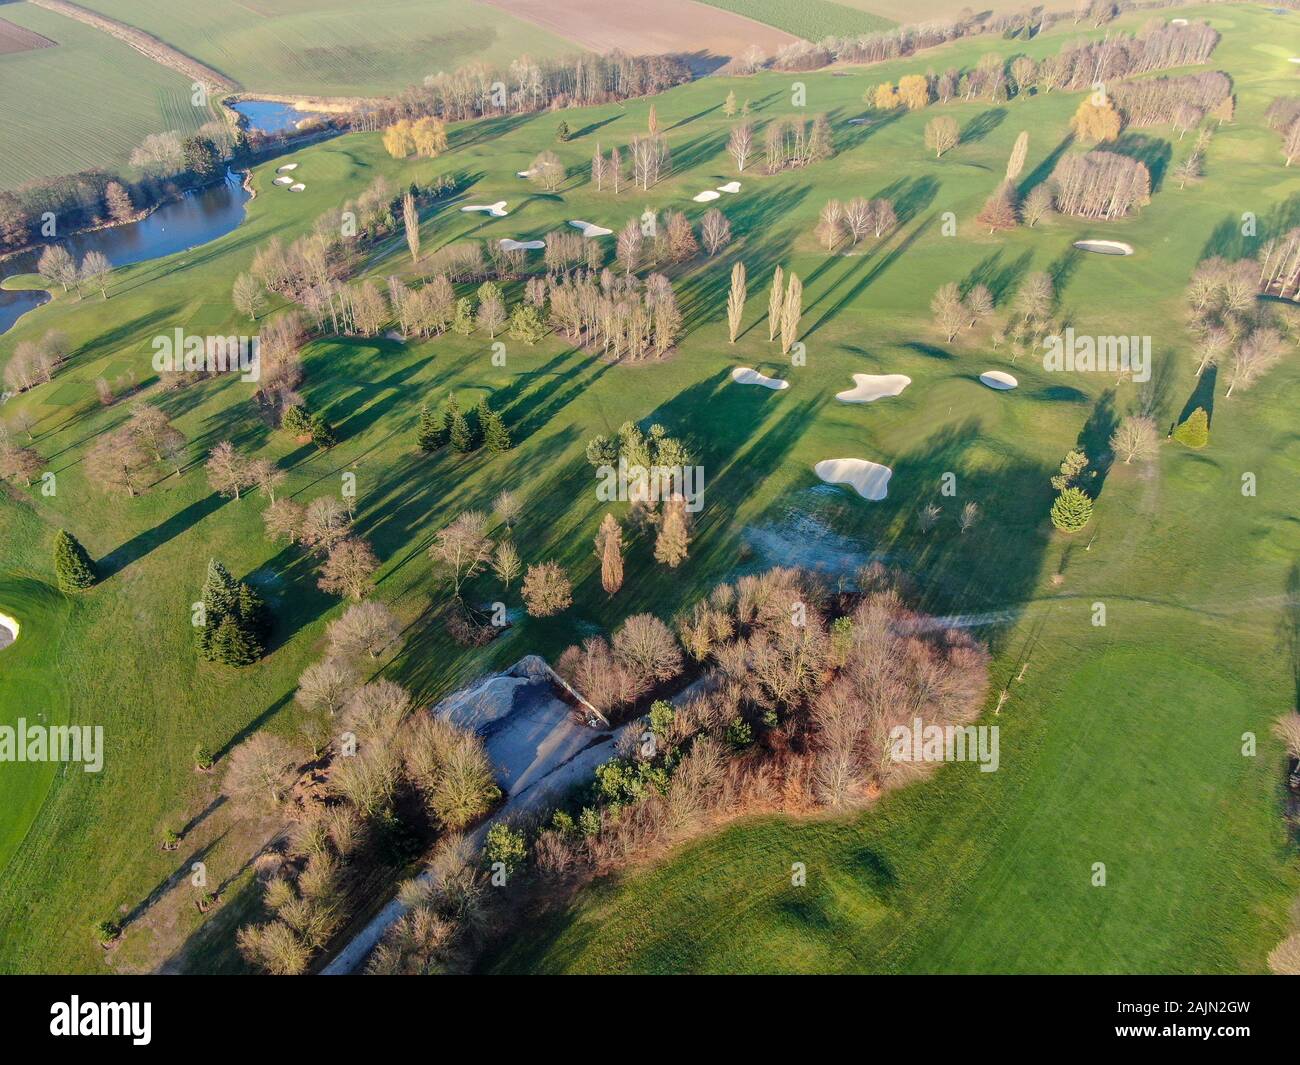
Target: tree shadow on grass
[1202,396]
[982,125]
[1044,169]
[143,543]
[1153,152]
[1001,279]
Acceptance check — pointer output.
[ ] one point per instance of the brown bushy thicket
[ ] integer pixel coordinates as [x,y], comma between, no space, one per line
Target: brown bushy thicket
[1153,101]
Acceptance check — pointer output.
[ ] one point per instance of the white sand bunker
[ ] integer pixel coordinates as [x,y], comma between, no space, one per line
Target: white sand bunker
[521,245]
[1104,247]
[523,173]
[1294,59]
[1178,22]
[706,196]
[287,167]
[590,229]
[8,630]
[869,478]
[999,380]
[496,210]
[282,181]
[743,375]
[869,387]
[730,186]
[297,188]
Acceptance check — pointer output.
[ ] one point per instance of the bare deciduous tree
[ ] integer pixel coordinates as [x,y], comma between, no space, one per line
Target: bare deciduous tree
[1135,438]
[547,589]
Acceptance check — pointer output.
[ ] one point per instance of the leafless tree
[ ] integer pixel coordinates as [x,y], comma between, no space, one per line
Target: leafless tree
[715,231]
[260,773]
[464,547]
[547,589]
[349,570]
[1135,438]
[367,629]
[741,144]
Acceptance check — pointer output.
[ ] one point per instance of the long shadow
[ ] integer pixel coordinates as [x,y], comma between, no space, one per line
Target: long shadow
[982,125]
[592,127]
[1044,169]
[1153,152]
[999,278]
[691,118]
[1202,396]
[142,543]
[1289,631]
[1228,240]
[1094,441]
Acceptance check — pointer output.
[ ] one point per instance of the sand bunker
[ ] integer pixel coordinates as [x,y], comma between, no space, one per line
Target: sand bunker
[743,375]
[1178,22]
[730,186]
[286,168]
[706,196]
[999,380]
[8,630]
[1294,59]
[521,245]
[282,181]
[589,229]
[869,478]
[523,173]
[496,210]
[1104,247]
[297,188]
[869,387]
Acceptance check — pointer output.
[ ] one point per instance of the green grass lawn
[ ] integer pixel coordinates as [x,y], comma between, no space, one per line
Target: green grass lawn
[810,19]
[84,103]
[337,47]
[1121,745]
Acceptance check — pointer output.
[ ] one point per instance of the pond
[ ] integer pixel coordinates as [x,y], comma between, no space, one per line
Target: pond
[271,117]
[196,218]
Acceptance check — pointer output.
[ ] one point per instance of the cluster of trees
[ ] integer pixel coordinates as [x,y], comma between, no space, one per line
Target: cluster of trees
[913,93]
[18,464]
[1183,101]
[34,362]
[56,266]
[1100,185]
[1072,508]
[449,425]
[624,318]
[425,137]
[1280,266]
[1232,328]
[394,776]
[464,548]
[954,311]
[647,161]
[123,459]
[791,143]
[855,220]
[527,86]
[234,621]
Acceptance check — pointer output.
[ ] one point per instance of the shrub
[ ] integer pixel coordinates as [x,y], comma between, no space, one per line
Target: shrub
[1072,510]
[107,931]
[1195,432]
[505,845]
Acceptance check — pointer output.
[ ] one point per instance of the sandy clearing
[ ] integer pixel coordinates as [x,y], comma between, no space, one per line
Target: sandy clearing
[743,375]
[679,27]
[521,245]
[496,210]
[590,229]
[1105,247]
[870,479]
[869,387]
[998,380]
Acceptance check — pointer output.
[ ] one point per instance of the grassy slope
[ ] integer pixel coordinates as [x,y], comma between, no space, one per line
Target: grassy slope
[126,659]
[83,104]
[810,19]
[336,47]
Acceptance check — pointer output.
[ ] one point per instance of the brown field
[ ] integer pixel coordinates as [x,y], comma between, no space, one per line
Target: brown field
[17,39]
[706,35]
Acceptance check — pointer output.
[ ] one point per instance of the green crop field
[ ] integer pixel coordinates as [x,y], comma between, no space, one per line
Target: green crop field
[336,47]
[84,103]
[810,19]
[1121,745]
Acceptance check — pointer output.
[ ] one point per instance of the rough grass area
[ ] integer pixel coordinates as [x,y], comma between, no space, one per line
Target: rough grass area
[336,47]
[84,104]
[1122,744]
